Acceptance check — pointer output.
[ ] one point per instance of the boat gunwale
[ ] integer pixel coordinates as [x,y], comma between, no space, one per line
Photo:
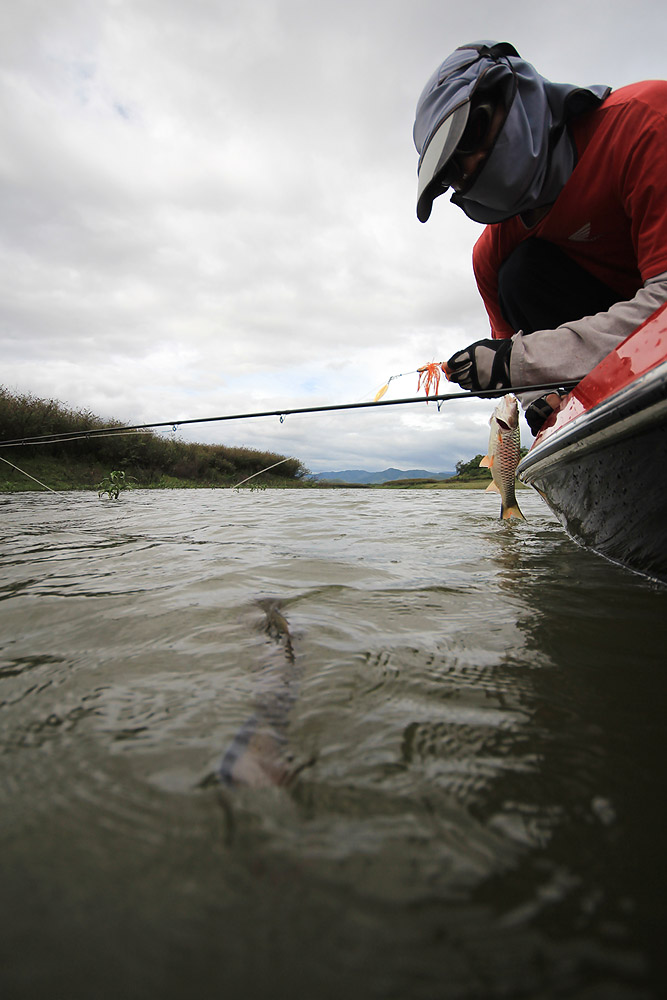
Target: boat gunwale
[626,412]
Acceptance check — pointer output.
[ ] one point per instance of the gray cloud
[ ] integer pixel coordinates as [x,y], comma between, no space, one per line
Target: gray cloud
[209,208]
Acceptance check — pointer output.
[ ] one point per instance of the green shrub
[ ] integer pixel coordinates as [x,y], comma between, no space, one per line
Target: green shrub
[145,454]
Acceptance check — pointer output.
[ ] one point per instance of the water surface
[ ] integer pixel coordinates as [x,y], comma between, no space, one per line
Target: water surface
[474,736]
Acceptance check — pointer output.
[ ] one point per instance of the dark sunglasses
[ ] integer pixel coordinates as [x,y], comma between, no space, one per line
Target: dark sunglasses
[473,138]
[476,130]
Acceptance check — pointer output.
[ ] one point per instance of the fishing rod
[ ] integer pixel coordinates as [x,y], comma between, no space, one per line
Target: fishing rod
[97,432]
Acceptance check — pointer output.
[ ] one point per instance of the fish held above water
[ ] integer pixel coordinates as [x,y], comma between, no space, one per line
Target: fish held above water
[504,455]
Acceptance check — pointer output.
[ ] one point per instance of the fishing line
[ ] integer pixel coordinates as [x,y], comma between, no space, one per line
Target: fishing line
[24,473]
[260,472]
[106,432]
[282,413]
[380,393]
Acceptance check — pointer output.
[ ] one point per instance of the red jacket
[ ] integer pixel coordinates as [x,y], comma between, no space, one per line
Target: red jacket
[611,216]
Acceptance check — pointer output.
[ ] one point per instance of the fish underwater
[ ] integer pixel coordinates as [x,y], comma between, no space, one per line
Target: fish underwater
[258,755]
[504,455]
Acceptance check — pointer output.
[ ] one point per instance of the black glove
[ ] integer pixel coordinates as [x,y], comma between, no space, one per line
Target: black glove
[483,365]
[537,413]
[542,408]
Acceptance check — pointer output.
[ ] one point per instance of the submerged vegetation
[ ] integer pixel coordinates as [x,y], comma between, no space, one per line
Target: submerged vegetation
[114,484]
[147,458]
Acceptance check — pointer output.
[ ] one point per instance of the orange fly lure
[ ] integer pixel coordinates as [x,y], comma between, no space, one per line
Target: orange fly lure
[430,374]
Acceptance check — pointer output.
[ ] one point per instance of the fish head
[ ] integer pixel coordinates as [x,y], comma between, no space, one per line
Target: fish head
[506,414]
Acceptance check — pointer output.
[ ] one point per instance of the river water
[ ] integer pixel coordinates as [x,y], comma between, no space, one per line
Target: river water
[471,737]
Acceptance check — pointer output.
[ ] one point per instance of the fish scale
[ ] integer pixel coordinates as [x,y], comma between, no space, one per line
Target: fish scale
[504,455]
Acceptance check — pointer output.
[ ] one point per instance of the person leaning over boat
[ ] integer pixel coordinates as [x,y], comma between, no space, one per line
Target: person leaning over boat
[571,184]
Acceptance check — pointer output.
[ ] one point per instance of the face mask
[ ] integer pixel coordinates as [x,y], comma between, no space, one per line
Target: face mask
[533,156]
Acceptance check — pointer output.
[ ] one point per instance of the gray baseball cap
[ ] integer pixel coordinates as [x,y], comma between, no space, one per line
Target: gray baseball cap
[443,109]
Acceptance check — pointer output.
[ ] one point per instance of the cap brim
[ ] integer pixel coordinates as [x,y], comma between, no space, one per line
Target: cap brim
[438,152]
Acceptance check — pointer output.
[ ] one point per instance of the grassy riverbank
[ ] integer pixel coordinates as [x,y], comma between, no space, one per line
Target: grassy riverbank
[86,474]
[469,476]
[51,472]
[151,460]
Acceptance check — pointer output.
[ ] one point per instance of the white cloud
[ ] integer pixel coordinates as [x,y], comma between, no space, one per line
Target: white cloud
[209,208]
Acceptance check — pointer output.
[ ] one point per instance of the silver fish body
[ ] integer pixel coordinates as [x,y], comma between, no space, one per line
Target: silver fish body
[504,455]
[258,754]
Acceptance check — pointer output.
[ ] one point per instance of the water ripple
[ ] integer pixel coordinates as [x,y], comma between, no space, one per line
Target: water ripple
[475,746]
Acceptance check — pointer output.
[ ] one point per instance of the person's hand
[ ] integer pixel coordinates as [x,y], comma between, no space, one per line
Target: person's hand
[483,365]
[541,409]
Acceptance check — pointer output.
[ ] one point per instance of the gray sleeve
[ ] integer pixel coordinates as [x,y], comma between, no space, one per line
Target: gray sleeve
[572,350]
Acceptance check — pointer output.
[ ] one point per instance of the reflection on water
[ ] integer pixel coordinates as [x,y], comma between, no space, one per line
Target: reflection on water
[472,719]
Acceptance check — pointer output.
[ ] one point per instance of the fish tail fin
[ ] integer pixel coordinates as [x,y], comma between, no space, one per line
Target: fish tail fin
[512,511]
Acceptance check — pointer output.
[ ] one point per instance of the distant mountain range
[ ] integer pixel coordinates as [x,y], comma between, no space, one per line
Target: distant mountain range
[362,476]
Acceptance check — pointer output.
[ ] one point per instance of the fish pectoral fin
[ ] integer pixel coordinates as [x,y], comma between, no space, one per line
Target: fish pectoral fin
[492,488]
[487,462]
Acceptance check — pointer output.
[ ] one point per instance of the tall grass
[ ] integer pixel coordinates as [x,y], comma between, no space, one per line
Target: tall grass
[147,456]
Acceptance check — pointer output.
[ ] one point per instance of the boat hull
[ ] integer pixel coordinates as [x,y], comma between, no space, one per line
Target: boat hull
[601,462]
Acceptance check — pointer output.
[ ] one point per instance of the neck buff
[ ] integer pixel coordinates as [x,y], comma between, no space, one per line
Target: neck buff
[533,155]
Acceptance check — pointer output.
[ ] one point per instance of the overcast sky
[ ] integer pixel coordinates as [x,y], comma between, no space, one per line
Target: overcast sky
[208,207]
